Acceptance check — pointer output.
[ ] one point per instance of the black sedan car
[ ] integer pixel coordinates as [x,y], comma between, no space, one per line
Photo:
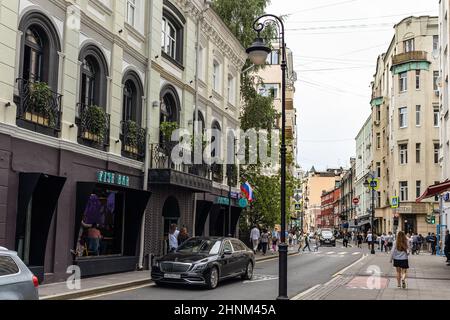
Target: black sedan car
[205,261]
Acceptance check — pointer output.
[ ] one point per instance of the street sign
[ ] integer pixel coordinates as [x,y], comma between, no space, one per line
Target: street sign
[394,202]
[374,183]
[355,200]
[243,203]
[298,207]
[297,197]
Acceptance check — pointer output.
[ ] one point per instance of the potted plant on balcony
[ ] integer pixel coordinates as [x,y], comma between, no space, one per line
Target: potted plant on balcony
[94,119]
[39,109]
[131,138]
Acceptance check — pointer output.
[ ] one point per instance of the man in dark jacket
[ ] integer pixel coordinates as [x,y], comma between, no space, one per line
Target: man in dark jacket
[447,247]
[433,241]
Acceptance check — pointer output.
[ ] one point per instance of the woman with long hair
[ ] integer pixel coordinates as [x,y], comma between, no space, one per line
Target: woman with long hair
[400,257]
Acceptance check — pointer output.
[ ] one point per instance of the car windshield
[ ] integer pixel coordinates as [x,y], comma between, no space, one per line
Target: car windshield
[203,246]
[327,234]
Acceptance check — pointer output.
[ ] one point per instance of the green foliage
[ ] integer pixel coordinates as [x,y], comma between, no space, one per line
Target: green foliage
[40,97]
[132,133]
[167,128]
[97,120]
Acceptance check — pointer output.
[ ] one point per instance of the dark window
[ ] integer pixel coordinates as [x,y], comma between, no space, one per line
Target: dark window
[88,82]
[417,152]
[237,246]
[418,189]
[436,153]
[417,79]
[216,134]
[227,246]
[33,56]
[7,266]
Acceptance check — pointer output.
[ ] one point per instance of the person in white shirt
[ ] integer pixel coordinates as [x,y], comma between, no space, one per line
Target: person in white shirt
[369,239]
[254,238]
[173,237]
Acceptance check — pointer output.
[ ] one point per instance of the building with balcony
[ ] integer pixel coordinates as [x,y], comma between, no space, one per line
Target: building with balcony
[89,92]
[405,121]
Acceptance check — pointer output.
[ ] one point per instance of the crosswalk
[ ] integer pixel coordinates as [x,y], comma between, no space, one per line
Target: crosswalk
[332,254]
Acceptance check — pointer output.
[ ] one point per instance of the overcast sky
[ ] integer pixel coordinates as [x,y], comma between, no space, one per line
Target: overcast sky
[336,44]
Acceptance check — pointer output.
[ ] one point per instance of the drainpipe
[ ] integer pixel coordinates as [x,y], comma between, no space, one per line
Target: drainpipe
[147,130]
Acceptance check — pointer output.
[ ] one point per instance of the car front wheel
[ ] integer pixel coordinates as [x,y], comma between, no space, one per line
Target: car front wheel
[212,280]
[248,275]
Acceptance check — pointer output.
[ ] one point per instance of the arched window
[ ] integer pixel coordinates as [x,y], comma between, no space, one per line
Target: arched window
[217,134]
[94,72]
[132,98]
[170,106]
[39,50]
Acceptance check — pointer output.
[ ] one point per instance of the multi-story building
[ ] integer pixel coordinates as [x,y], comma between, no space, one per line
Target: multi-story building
[444,89]
[313,185]
[363,166]
[405,119]
[88,93]
[329,209]
[270,85]
[347,193]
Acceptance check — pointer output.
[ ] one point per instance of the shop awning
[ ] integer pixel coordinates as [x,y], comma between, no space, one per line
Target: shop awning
[435,190]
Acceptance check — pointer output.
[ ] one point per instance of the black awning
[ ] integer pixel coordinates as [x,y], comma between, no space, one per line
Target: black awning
[235,215]
[40,193]
[135,204]
[202,212]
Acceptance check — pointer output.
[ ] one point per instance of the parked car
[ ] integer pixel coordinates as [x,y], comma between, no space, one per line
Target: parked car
[205,261]
[17,282]
[327,238]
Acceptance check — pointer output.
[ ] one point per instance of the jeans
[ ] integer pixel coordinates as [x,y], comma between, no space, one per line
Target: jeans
[94,245]
[264,247]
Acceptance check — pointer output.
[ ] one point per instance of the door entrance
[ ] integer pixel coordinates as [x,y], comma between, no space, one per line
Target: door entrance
[409,224]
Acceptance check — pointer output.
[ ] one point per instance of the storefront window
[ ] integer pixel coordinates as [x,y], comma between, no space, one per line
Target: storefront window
[101,231]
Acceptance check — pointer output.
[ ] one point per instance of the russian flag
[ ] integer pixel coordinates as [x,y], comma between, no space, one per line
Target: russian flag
[247,190]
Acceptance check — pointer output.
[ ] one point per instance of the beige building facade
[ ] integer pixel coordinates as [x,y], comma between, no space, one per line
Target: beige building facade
[405,109]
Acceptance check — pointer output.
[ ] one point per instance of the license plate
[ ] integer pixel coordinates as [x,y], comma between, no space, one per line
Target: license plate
[172,276]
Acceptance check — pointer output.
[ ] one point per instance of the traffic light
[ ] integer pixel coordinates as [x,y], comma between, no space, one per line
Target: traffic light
[433,219]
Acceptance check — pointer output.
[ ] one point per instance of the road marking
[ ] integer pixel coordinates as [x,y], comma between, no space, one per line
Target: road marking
[276,258]
[331,252]
[260,278]
[331,281]
[115,292]
[356,253]
[353,264]
[342,253]
[304,293]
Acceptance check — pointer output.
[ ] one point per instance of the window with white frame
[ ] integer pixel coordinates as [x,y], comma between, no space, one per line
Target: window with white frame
[269,90]
[403,81]
[169,38]
[131,12]
[403,117]
[435,42]
[417,152]
[273,58]
[436,153]
[417,79]
[231,89]
[409,45]
[418,109]
[403,153]
[436,116]
[216,76]
[378,140]
[403,190]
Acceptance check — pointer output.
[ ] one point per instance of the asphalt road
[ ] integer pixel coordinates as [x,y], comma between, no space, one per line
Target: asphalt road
[304,271]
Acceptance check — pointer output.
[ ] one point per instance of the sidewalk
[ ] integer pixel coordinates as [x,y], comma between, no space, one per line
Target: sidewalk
[95,285]
[374,278]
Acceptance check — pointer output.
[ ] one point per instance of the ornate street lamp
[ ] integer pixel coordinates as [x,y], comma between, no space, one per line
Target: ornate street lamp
[368,185]
[257,54]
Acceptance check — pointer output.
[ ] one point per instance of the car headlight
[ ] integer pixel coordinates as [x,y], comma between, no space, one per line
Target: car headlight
[156,263]
[200,267]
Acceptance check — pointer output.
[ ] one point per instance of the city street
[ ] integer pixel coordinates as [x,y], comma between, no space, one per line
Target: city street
[305,270]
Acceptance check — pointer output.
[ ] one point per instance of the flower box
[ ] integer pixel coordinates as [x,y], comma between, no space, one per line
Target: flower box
[131,149]
[90,136]
[36,118]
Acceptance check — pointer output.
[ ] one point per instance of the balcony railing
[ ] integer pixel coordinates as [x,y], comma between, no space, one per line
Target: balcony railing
[133,140]
[93,126]
[39,108]
[409,57]
[161,157]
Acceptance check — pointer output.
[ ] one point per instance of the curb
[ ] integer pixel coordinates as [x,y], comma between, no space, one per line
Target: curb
[96,290]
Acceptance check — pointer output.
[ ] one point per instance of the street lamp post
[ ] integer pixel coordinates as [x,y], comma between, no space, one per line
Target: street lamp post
[372,188]
[258,53]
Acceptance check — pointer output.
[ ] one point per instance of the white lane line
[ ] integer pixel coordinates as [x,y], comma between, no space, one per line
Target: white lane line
[353,264]
[343,253]
[356,253]
[331,252]
[115,292]
[300,295]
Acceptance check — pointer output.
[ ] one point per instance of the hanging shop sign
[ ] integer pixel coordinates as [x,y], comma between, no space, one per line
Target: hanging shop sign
[223,201]
[234,195]
[243,203]
[113,178]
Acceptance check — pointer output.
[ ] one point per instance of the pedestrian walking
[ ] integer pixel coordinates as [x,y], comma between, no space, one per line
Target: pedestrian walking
[306,244]
[173,237]
[317,243]
[433,241]
[264,241]
[428,241]
[254,238]
[274,240]
[400,258]
[447,247]
[359,238]
[390,241]
[345,239]
[369,238]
